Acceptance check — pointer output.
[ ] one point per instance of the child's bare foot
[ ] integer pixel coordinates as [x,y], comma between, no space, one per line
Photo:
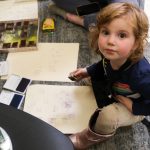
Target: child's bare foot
[68,16]
[75,19]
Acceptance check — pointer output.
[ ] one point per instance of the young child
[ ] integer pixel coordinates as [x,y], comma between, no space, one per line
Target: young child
[121,80]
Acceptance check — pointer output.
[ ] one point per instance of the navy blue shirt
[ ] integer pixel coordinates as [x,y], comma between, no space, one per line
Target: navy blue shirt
[131,80]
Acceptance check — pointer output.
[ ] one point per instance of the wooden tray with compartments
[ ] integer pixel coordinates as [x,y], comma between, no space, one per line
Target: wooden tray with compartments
[20,35]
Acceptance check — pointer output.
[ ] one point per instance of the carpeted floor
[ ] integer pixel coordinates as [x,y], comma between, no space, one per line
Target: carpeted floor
[127,138]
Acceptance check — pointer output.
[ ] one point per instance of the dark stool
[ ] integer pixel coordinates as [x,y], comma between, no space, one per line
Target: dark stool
[30,133]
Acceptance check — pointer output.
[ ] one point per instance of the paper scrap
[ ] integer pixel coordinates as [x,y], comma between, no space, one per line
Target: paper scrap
[67,108]
[51,62]
[4,68]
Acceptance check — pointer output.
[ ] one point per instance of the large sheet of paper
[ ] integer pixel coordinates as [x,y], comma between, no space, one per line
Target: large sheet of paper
[68,108]
[147,11]
[13,10]
[51,62]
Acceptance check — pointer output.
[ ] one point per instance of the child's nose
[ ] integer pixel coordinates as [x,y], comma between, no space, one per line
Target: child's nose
[111,39]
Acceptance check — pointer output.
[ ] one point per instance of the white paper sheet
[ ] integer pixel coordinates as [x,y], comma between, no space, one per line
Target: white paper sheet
[51,62]
[12,10]
[68,108]
[4,68]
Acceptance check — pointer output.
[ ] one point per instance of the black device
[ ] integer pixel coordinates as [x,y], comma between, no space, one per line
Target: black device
[87,9]
[16,101]
[72,78]
[23,85]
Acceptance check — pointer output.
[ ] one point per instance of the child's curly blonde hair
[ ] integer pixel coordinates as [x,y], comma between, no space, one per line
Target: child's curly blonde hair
[137,19]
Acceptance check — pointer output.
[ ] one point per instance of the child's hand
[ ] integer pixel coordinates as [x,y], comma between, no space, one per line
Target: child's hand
[78,74]
[125,101]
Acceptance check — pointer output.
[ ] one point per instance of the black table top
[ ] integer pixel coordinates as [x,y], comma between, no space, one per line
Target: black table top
[30,133]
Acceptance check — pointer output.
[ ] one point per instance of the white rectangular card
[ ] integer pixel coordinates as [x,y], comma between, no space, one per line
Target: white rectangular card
[11,98]
[17,84]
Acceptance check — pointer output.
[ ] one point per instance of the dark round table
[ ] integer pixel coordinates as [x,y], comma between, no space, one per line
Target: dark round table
[30,133]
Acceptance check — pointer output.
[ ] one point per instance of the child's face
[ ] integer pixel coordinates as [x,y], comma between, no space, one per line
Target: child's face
[116,40]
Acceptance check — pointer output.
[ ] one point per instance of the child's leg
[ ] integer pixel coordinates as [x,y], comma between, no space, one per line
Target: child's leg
[114,116]
[70,5]
[103,124]
[88,137]
[66,15]
[67,10]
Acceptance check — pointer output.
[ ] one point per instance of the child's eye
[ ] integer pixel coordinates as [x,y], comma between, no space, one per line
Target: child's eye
[104,32]
[122,35]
